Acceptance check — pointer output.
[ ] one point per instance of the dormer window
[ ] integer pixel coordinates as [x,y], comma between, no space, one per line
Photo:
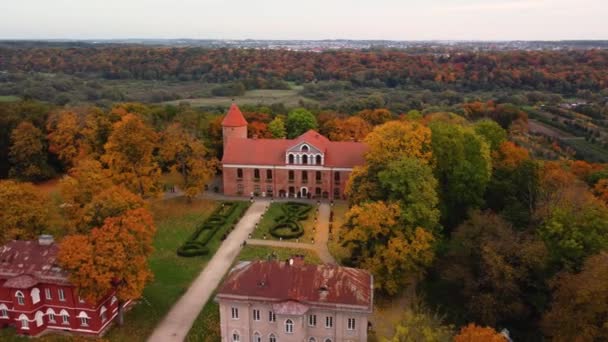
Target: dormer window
[304,148]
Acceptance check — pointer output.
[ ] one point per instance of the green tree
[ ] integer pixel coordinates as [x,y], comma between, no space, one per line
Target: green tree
[27,153]
[277,128]
[491,132]
[462,167]
[421,325]
[299,121]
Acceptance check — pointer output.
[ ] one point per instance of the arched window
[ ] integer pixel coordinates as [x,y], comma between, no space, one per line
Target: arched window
[304,159]
[35,295]
[318,159]
[3,311]
[289,326]
[25,323]
[328,340]
[272,338]
[39,318]
[20,298]
[257,337]
[65,317]
[290,158]
[236,337]
[312,339]
[304,148]
[51,314]
[84,319]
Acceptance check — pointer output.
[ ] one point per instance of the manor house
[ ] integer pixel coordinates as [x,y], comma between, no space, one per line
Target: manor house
[309,166]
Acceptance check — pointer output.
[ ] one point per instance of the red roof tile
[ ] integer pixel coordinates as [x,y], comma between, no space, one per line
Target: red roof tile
[324,285]
[234,118]
[25,263]
[272,151]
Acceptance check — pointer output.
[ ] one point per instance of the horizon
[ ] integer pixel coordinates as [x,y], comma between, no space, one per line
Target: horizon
[434,20]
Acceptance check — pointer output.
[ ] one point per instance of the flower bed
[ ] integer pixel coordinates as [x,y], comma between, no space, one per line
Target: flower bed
[224,217]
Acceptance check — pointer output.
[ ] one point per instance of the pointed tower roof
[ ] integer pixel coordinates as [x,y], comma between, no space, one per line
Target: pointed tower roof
[234,118]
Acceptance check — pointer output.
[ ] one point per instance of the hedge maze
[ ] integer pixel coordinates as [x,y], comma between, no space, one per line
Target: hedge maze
[224,217]
[288,225]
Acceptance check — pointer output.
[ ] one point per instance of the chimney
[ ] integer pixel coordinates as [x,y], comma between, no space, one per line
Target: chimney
[45,240]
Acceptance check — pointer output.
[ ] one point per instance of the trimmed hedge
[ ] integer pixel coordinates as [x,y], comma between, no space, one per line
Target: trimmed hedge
[288,225]
[226,215]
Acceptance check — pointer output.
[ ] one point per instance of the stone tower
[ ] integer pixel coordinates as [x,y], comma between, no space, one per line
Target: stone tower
[234,124]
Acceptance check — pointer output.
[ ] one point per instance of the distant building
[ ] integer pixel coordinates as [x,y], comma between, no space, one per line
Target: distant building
[309,166]
[272,301]
[36,295]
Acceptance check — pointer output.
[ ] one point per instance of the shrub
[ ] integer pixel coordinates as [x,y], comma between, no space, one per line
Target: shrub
[288,224]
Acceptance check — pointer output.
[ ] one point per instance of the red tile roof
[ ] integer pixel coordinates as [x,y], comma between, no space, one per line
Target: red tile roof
[272,151]
[234,118]
[23,264]
[321,285]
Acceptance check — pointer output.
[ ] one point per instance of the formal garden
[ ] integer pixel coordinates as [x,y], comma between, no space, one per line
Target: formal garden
[221,221]
[288,221]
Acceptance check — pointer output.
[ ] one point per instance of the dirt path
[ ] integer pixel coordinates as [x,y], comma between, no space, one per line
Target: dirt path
[177,323]
[321,237]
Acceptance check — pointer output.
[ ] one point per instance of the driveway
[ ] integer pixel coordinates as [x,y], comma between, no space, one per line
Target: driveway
[177,323]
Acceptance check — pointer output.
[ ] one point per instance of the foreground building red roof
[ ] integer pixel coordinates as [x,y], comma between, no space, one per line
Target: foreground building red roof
[36,294]
[309,166]
[294,301]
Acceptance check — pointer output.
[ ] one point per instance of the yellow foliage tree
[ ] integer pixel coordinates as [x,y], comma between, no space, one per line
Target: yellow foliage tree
[27,153]
[64,133]
[188,158]
[396,139]
[129,156]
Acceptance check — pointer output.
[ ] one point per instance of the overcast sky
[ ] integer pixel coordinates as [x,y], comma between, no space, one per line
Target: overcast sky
[305,19]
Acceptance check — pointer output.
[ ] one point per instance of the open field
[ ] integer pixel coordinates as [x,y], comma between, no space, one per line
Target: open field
[270,218]
[289,98]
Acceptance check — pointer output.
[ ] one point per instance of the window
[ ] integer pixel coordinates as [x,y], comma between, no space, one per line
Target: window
[337,177]
[291,175]
[236,337]
[61,295]
[304,159]
[272,317]
[235,313]
[47,294]
[269,190]
[304,176]
[289,326]
[20,298]
[84,319]
[312,339]
[318,192]
[239,173]
[336,193]
[35,295]
[328,340]
[257,337]
[39,318]
[65,317]
[256,173]
[272,338]
[318,176]
[25,324]
[268,174]
[256,315]
[103,314]
[318,160]
[312,320]
[350,324]
[329,322]
[304,148]
[240,188]
[290,159]
[51,315]
[3,311]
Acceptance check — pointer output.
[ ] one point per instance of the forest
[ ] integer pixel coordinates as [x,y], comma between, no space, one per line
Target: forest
[484,189]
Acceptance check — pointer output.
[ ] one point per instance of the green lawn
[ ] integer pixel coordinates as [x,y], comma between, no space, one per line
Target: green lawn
[9,98]
[340,209]
[206,327]
[269,220]
[289,98]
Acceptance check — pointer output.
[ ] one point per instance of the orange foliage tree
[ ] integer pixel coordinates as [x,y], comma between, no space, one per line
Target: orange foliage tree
[64,134]
[475,333]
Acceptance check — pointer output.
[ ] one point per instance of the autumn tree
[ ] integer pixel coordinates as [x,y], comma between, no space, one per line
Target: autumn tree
[24,212]
[96,130]
[299,121]
[491,132]
[376,116]
[463,167]
[349,129]
[276,127]
[27,153]
[129,156]
[111,202]
[418,324]
[497,269]
[600,189]
[113,256]
[64,134]
[578,311]
[396,139]
[394,254]
[475,333]
[187,157]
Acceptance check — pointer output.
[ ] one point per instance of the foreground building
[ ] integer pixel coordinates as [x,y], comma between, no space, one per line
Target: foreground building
[309,166]
[36,295]
[272,301]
